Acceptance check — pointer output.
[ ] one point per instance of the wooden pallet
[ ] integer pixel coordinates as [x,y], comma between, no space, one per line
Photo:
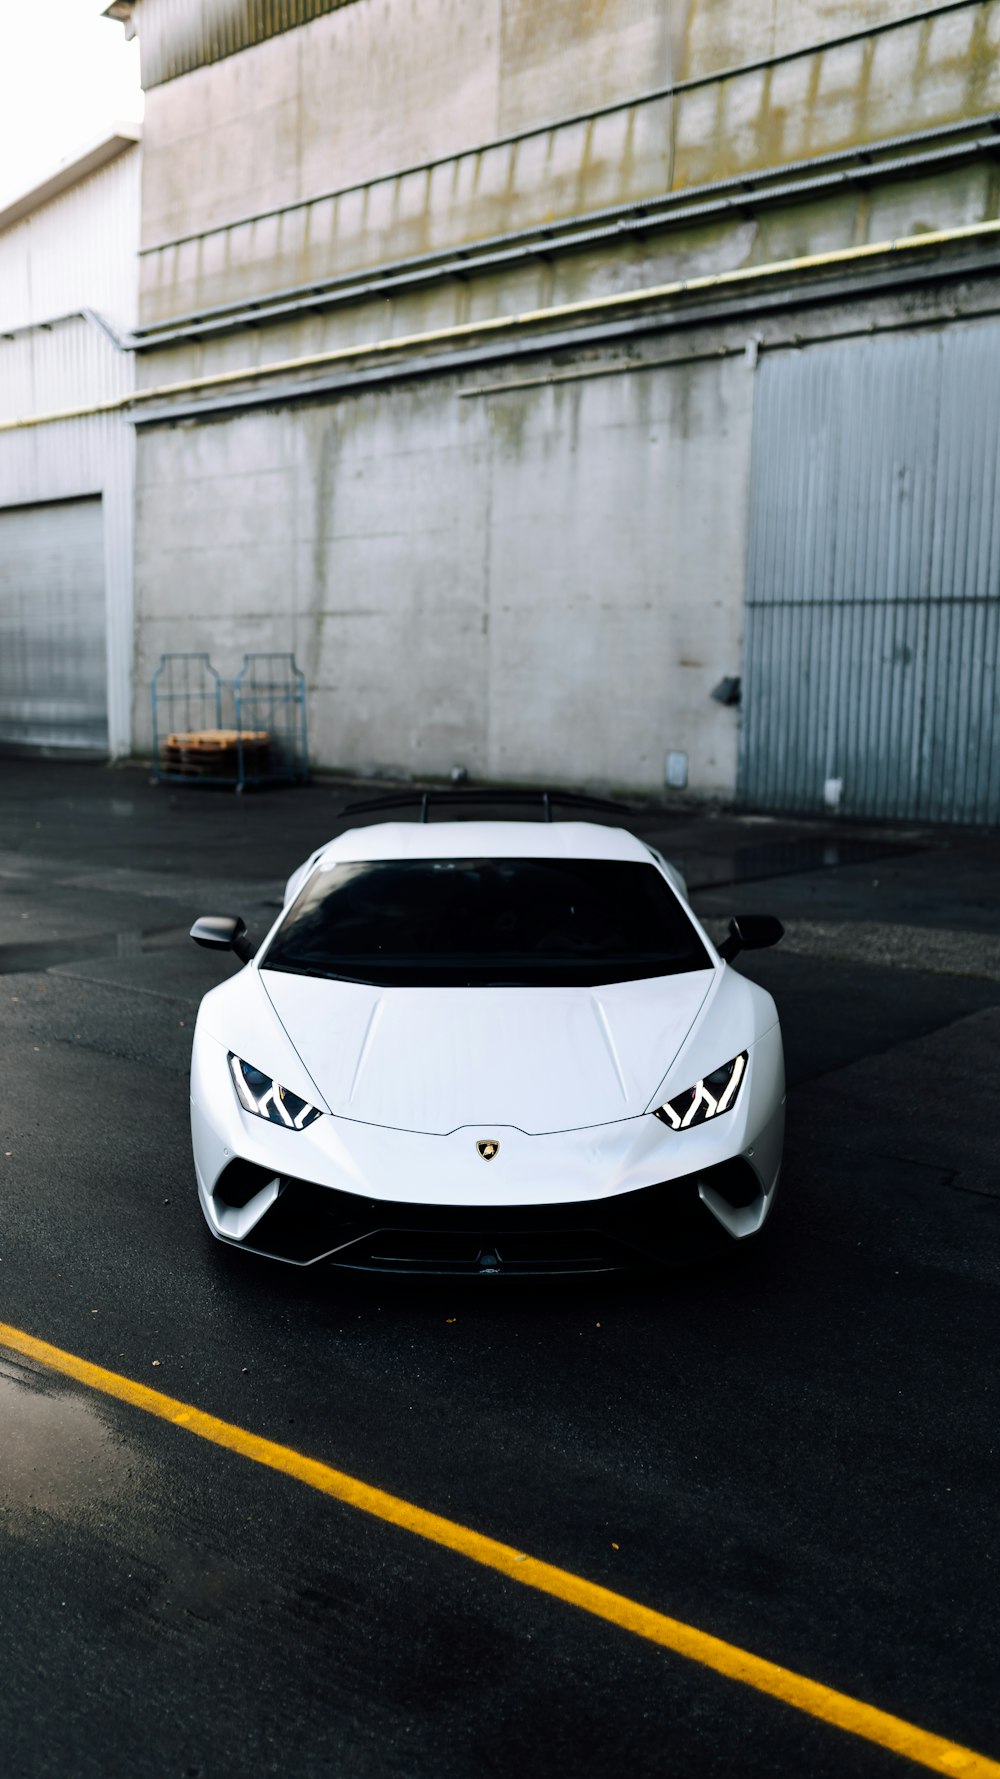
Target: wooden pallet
[214,753]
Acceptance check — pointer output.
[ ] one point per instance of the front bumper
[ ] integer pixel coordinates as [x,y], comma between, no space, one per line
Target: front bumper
[670,1221]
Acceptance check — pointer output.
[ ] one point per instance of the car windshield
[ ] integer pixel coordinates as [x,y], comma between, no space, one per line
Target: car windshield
[487,922]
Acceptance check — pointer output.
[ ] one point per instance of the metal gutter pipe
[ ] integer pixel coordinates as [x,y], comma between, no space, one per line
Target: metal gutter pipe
[498,325]
[122,343]
[606,334]
[663,211]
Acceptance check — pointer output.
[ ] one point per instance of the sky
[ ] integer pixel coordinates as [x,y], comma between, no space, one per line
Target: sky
[67,76]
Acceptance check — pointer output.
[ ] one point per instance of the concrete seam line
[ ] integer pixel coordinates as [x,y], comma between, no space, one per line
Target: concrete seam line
[935,1753]
[496,324]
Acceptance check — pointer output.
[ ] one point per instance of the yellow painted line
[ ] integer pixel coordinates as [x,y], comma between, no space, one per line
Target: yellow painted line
[933,1752]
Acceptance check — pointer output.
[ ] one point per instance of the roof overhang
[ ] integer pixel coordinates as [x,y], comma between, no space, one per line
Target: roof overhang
[123,137]
[121,10]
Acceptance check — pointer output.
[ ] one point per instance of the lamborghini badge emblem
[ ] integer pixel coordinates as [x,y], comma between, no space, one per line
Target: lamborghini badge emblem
[488,1148]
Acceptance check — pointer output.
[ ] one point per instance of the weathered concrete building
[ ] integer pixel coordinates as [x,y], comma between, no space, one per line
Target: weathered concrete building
[67,307]
[529,370]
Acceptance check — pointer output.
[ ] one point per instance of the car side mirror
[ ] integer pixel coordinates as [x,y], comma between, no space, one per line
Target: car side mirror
[223,932]
[750,932]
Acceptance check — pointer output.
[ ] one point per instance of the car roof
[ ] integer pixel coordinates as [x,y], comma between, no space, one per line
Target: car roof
[465,840]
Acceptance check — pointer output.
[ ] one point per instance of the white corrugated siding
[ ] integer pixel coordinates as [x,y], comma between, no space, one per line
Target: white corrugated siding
[77,251]
[72,364]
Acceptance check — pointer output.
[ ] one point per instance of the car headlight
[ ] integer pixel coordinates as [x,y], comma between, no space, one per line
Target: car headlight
[712,1095]
[259,1094]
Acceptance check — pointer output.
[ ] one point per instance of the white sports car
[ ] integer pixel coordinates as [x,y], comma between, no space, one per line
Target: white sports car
[486,1047]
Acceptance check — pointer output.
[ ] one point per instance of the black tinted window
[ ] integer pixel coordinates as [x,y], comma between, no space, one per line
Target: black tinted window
[478,922]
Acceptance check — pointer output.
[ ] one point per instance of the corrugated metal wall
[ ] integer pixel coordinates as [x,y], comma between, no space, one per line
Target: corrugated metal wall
[53,672]
[178,35]
[871,676]
[78,250]
[62,462]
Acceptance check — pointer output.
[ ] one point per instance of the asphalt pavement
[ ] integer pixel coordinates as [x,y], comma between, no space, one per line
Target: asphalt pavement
[794,1451]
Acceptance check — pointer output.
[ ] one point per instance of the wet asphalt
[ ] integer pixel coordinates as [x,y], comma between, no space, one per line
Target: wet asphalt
[795,1450]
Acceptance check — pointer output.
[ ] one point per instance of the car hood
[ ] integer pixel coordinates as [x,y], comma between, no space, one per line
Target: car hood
[432,1060]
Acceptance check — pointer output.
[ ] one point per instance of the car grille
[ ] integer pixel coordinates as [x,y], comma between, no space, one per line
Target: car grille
[654,1226]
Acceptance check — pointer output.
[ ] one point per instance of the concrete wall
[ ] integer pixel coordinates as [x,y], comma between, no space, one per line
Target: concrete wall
[546,583]
[381,131]
[179,36]
[377,86]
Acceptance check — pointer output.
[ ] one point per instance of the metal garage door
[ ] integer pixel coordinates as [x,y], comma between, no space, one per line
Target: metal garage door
[873,585]
[53,668]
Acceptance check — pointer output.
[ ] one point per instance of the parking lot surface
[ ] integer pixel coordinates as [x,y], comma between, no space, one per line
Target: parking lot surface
[793,1452]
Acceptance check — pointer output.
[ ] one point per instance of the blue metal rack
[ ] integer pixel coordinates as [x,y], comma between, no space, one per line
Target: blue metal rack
[270,696]
[247,731]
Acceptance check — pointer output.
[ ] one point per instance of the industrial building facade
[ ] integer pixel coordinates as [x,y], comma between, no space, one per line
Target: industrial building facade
[67,307]
[535,372]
